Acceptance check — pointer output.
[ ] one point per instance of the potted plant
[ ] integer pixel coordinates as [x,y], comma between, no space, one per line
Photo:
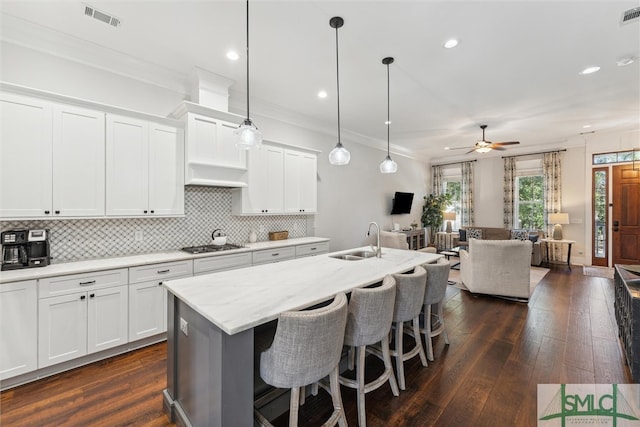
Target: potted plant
[432,213]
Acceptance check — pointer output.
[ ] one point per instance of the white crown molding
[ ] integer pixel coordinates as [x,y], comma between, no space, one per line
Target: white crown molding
[41,39]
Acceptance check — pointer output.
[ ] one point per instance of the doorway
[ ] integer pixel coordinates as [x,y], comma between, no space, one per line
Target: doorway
[625,214]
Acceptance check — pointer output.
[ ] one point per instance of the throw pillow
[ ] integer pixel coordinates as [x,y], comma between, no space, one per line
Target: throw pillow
[474,233]
[519,234]
[463,235]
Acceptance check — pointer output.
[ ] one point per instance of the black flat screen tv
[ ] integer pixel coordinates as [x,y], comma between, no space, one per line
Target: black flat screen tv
[402,203]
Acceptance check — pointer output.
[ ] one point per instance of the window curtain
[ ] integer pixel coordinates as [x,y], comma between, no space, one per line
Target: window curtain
[551,169]
[466,187]
[509,190]
[437,186]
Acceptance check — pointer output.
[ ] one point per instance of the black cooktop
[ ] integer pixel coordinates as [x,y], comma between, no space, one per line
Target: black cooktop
[211,248]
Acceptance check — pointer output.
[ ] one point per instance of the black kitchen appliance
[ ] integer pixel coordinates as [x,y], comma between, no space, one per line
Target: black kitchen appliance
[24,249]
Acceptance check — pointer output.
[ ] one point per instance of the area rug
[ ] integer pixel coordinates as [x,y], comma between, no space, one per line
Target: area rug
[592,270]
[536,274]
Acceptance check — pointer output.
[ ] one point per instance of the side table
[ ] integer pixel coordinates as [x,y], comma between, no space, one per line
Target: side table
[548,242]
[446,241]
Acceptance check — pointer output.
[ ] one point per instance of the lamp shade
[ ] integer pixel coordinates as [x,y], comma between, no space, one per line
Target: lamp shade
[449,216]
[558,218]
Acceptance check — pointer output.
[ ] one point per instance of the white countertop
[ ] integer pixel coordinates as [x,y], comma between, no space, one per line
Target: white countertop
[241,299]
[90,265]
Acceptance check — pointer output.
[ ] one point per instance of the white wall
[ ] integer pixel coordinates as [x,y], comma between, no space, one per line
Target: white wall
[349,197]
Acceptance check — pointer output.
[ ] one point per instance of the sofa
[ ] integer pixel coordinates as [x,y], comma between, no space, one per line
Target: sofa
[496,233]
[388,239]
[497,267]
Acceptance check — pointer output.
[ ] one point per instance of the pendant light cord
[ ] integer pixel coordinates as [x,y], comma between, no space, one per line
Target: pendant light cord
[388,108]
[338,84]
[248,60]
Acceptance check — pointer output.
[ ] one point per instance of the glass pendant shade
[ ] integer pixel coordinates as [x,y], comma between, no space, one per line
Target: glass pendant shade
[247,135]
[388,166]
[339,155]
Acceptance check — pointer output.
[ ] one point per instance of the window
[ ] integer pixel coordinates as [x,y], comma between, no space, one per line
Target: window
[529,206]
[617,157]
[453,186]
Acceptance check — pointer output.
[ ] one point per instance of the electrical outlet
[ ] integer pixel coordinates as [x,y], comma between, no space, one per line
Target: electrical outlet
[184,326]
[138,236]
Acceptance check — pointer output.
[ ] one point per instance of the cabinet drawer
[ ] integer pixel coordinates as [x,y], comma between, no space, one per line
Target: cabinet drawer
[167,270]
[62,285]
[221,262]
[274,255]
[312,249]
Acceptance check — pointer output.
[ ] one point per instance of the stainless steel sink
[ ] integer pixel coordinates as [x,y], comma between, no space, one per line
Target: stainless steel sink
[354,256]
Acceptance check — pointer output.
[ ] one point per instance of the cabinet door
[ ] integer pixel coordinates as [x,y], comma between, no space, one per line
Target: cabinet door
[78,161]
[308,183]
[228,153]
[62,328]
[273,181]
[108,316]
[147,309]
[127,166]
[25,157]
[166,170]
[300,182]
[18,328]
[211,141]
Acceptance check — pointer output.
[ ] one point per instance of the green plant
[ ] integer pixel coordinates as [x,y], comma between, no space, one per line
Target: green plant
[432,212]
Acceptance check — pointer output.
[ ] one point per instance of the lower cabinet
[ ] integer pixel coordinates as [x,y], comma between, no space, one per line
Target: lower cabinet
[18,328]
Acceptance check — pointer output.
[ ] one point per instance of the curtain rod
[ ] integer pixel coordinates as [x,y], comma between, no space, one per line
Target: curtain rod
[533,154]
[454,163]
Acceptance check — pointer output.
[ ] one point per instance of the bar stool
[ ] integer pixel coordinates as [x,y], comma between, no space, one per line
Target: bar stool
[369,322]
[306,348]
[409,297]
[437,281]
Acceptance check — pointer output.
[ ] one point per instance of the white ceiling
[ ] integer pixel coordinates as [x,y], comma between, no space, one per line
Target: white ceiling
[516,68]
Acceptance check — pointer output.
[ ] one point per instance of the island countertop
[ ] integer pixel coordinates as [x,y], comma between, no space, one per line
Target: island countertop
[241,299]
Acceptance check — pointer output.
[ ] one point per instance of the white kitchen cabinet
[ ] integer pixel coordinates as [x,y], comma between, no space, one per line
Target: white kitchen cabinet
[108,318]
[221,263]
[148,298]
[300,182]
[210,140]
[311,249]
[145,168]
[267,256]
[18,328]
[25,156]
[62,328]
[265,191]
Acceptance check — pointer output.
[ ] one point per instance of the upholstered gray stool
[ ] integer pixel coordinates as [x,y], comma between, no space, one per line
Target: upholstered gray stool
[437,281]
[306,348]
[369,322]
[409,297]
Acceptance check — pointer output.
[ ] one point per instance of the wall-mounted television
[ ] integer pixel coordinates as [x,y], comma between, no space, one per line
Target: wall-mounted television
[401,203]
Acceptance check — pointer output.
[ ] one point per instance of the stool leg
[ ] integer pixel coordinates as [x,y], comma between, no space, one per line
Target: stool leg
[416,334]
[350,358]
[399,355]
[362,415]
[427,331]
[293,407]
[334,384]
[386,357]
[441,318]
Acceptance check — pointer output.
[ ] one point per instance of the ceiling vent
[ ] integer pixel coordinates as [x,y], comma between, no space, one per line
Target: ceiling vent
[630,15]
[101,16]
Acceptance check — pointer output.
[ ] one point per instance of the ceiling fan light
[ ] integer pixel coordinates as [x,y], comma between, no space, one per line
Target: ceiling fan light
[485,149]
[339,156]
[247,135]
[388,166]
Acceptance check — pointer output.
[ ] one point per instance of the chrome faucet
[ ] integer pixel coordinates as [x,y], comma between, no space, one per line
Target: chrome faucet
[376,249]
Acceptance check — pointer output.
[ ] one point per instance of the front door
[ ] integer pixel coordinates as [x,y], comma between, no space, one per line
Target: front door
[625,220]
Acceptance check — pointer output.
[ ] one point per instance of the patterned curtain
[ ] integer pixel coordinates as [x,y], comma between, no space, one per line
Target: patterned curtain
[552,195]
[466,202]
[509,190]
[437,186]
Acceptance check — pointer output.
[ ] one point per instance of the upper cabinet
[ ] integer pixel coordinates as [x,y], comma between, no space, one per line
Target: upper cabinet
[280,181]
[145,168]
[52,159]
[211,155]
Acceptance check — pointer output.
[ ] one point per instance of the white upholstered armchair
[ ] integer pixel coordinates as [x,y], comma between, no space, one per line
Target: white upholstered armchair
[497,267]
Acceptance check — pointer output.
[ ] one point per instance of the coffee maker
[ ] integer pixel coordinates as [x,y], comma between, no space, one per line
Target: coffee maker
[24,249]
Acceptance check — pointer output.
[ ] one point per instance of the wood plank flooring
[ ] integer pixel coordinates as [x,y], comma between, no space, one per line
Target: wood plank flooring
[500,350]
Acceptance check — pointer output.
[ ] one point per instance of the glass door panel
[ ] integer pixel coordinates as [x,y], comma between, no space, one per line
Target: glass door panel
[600,198]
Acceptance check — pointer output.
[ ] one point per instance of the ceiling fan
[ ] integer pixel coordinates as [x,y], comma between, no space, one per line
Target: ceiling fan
[485,146]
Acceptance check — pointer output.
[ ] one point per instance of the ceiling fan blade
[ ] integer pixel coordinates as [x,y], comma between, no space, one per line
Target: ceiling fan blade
[470,151]
[460,148]
[498,144]
[498,148]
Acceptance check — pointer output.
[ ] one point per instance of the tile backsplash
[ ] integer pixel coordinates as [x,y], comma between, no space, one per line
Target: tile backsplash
[206,208]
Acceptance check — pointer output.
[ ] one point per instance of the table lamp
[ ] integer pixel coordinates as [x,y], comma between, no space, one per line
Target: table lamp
[449,216]
[558,219]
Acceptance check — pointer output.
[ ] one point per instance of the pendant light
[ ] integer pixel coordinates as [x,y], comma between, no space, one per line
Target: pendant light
[339,155]
[247,134]
[388,165]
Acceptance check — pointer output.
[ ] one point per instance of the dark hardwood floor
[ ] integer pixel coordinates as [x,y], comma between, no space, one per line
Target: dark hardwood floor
[500,350]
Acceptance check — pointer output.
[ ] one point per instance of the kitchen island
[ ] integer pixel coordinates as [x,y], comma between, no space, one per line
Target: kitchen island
[211,321]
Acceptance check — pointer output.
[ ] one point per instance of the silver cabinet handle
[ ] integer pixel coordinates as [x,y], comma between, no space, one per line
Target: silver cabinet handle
[276,254]
[89,283]
[164,271]
[313,249]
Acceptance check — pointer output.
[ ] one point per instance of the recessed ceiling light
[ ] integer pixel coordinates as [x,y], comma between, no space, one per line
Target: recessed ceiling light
[387,122]
[623,62]
[586,126]
[447,148]
[451,43]
[590,70]
[233,55]
[322,94]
